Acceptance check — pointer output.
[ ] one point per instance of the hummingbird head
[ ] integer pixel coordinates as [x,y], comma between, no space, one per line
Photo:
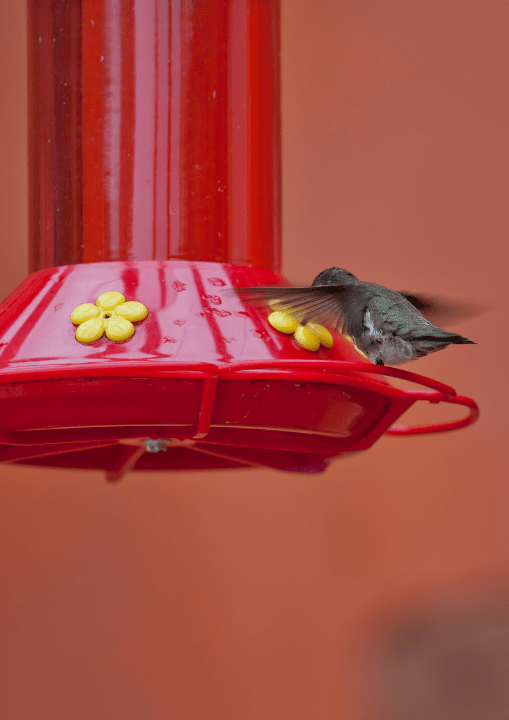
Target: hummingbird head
[334,276]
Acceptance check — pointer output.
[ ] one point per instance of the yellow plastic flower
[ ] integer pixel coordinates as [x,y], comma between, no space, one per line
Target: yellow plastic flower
[111,315]
[310,336]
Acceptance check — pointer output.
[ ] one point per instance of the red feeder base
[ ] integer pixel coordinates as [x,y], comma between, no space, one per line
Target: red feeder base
[204,382]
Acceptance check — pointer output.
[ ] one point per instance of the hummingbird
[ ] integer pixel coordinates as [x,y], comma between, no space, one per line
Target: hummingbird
[388,326]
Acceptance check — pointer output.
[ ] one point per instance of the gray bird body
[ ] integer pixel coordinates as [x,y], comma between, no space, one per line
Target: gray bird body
[383,323]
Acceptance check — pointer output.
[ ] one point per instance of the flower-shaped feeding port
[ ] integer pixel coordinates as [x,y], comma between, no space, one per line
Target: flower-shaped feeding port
[111,316]
[310,336]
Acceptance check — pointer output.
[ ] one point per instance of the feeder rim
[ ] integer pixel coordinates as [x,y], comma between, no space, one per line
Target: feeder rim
[318,371]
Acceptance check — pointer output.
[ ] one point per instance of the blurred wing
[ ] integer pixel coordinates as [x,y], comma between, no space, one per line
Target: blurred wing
[441,311]
[324,304]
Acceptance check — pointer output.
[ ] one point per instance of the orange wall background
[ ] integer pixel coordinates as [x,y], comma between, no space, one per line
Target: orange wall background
[263,595]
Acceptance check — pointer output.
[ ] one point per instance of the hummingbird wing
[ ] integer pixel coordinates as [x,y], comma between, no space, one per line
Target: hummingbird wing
[340,306]
[443,311]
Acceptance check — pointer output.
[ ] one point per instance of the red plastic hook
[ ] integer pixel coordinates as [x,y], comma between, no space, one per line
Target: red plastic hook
[443,393]
[440,427]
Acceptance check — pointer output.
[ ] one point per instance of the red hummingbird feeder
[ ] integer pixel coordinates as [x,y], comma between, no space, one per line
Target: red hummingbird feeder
[154,133]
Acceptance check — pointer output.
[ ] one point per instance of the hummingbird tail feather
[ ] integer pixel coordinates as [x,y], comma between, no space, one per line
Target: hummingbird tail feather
[460,340]
[443,336]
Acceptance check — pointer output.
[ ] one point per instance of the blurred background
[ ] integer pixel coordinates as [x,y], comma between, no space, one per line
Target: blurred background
[380,588]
